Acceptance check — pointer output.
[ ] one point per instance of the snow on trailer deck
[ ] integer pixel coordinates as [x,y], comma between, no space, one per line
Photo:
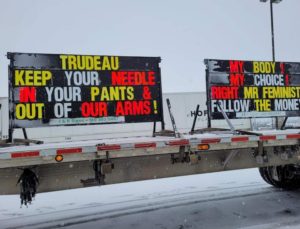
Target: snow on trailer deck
[91,146]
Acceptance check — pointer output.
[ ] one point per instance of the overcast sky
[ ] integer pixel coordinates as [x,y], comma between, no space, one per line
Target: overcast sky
[182,33]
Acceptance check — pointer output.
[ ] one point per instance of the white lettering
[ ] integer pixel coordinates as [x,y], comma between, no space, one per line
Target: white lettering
[268,80]
[79,78]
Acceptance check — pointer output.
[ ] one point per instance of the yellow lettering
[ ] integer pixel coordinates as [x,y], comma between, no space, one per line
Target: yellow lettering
[119,93]
[104,94]
[114,93]
[29,111]
[78,62]
[122,90]
[262,104]
[39,107]
[89,63]
[19,78]
[63,61]
[114,63]
[273,66]
[263,67]
[32,77]
[20,111]
[29,78]
[255,67]
[130,93]
[46,75]
[97,63]
[94,92]
[105,63]
[81,62]
[250,93]
[72,62]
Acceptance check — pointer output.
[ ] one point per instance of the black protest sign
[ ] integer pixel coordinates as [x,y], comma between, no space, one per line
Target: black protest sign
[58,89]
[244,89]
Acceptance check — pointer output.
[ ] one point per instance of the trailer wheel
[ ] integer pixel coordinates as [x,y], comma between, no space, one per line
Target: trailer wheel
[264,174]
[285,177]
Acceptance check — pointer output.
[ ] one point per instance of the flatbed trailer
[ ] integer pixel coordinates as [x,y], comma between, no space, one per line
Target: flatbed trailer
[68,165]
[234,90]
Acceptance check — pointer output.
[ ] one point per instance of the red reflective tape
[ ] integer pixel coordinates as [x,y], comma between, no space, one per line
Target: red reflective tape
[145,145]
[292,136]
[210,140]
[267,137]
[181,142]
[109,147]
[68,151]
[240,139]
[25,154]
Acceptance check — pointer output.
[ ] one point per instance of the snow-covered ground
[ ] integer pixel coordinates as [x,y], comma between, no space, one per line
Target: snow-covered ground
[235,199]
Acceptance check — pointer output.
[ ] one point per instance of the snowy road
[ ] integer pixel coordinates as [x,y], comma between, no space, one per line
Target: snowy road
[237,199]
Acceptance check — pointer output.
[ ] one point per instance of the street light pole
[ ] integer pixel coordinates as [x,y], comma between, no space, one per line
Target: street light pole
[273,42]
[272,30]
[272,25]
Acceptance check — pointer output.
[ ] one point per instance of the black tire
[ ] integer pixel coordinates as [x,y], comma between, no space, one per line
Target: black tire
[287,178]
[263,174]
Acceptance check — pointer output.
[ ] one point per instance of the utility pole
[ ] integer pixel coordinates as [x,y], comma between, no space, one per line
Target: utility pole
[272,36]
[272,24]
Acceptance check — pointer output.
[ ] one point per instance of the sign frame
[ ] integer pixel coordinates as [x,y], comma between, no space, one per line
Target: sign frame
[136,60]
[289,74]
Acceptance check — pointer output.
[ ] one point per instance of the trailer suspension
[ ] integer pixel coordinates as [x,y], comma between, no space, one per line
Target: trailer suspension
[28,186]
[185,157]
[99,176]
[100,167]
